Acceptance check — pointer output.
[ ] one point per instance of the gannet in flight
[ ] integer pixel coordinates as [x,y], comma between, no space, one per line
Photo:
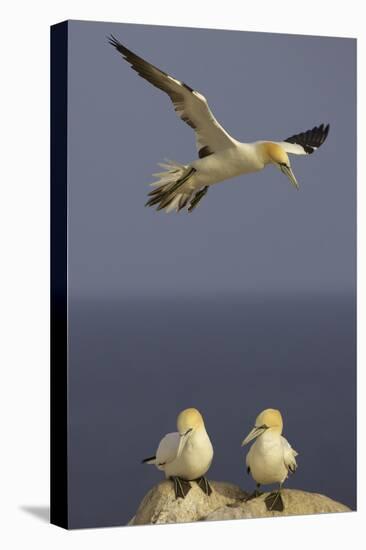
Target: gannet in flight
[271,457]
[220,155]
[185,455]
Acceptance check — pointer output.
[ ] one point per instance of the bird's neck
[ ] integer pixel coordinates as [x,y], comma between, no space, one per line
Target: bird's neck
[264,152]
[199,433]
[272,433]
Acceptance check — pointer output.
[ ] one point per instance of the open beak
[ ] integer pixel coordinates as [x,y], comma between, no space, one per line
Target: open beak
[253,434]
[183,440]
[289,173]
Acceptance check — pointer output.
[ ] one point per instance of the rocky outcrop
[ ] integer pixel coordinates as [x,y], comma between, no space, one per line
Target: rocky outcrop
[226,502]
[295,503]
[161,506]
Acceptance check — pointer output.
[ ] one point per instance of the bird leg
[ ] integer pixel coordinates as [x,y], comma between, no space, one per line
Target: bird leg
[204,485]
[197,197]
[255,494]
[181,487]
[274,501]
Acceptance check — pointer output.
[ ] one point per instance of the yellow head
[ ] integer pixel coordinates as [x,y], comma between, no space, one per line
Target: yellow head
[275,154]
[269,419]
[189,420]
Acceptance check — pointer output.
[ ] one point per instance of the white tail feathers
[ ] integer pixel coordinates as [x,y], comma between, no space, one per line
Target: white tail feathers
[169,191]
[173,171]
[176,188]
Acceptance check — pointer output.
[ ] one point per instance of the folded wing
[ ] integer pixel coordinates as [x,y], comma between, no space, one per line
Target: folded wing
[167,450]
[191,106]
[289,455]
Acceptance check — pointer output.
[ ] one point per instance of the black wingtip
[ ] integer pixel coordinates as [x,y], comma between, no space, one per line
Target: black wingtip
[311,139]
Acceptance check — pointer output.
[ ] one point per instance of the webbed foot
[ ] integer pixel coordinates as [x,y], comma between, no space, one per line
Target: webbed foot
[274,502]
[204,485]
[181,487]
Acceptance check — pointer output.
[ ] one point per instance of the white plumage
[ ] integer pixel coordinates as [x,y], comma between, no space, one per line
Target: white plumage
[186,454]
[271,457]
[221,157]
[192,462]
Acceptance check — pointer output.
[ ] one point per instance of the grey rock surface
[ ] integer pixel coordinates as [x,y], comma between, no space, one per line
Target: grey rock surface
[160,505]
[295,503]
[226,502]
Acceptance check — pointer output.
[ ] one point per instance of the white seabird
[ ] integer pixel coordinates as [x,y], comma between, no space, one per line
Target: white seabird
[220,155]
[185,455]
[271,457]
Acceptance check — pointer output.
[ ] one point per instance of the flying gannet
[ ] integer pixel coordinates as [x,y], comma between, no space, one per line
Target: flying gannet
[271,457]
[185,455]
[221,157]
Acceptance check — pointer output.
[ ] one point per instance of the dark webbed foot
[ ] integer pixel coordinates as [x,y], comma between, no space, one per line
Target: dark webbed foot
[181,487]
[204,485]
[274,502]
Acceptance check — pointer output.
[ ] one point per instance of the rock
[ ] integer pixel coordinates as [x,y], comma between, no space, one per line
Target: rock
[226,502]
[295,503]
[161,506]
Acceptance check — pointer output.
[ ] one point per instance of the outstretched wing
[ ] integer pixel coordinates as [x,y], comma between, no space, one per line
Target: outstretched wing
[191,106]
[289,455]
[306,142]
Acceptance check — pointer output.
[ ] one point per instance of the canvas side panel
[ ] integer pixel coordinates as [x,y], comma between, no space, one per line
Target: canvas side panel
[59,407]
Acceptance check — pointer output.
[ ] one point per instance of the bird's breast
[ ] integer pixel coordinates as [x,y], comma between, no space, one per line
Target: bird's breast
[195,458]
[267,461]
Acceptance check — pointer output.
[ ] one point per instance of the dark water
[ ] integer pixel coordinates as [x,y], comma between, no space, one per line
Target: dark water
[135,364]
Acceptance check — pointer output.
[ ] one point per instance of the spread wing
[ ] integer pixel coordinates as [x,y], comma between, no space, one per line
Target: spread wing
[191,106]
[306,142]
[289,455]
[168,448]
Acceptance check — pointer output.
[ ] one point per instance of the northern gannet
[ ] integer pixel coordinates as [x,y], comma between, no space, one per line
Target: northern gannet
[271,457]
[220,155]
[185,455]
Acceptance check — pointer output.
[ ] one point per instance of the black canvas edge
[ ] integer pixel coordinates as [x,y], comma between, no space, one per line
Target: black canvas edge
[58,359]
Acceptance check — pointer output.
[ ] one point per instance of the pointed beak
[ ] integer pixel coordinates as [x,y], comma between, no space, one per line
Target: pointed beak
[183,440]
[253,434]
[289,173]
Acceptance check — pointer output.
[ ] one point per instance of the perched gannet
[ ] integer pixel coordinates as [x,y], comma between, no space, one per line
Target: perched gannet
[220,155]
[271,457]
[185,455]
